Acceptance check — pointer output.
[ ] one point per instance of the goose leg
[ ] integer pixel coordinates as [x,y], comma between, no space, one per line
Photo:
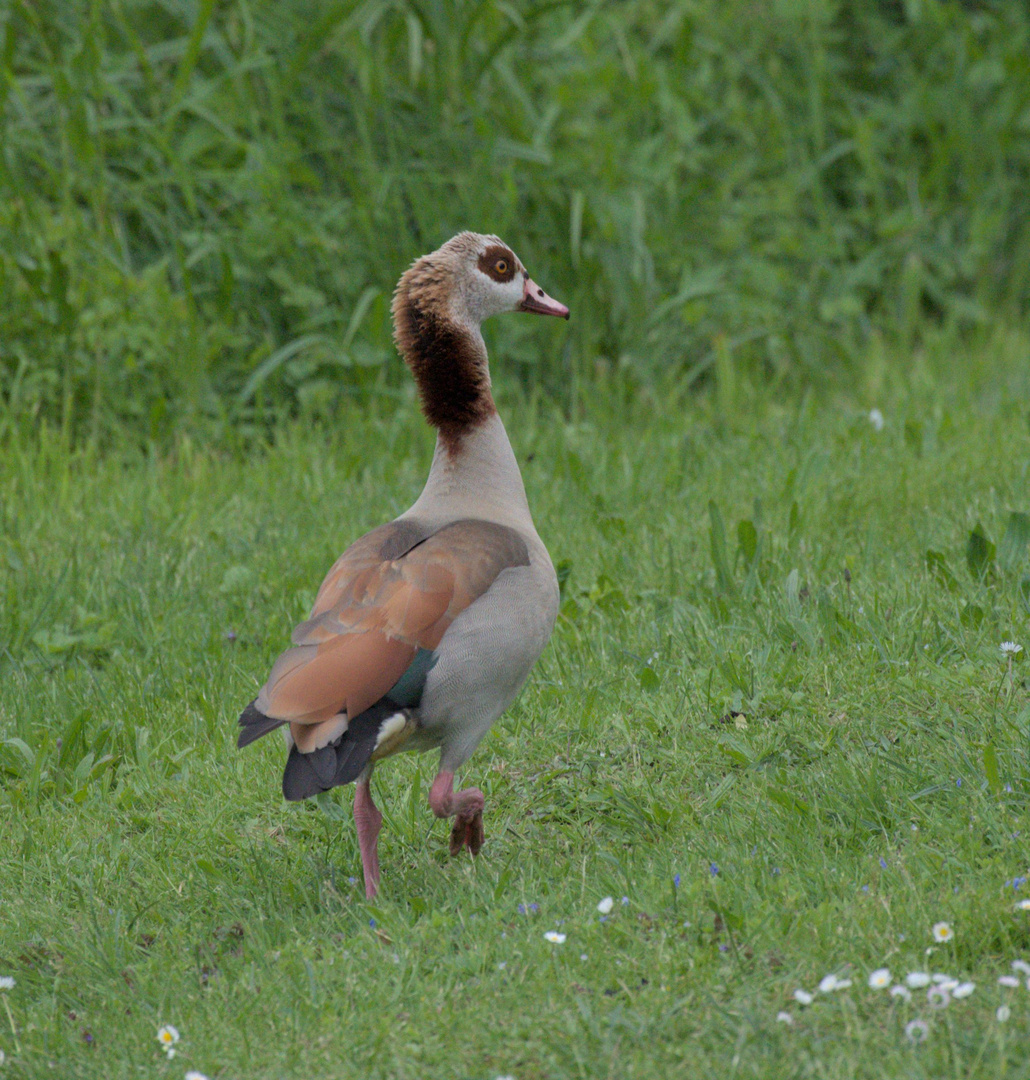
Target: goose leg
[465,806]
[368,820]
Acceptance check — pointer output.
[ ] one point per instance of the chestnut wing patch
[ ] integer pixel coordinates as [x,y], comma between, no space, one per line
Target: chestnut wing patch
[393,592]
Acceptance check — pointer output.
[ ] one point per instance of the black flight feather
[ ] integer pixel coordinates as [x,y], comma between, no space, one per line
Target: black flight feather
[342,761]
[255,724]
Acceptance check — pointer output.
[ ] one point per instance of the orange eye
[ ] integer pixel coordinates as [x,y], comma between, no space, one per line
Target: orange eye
[501,266]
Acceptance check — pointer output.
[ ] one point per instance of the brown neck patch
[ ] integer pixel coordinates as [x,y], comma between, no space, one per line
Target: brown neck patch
[448,364]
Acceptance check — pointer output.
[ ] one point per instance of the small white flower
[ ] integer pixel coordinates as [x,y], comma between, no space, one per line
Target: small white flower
[170,1052]
[1021,966]
[3,1057]
[939,977]
[605,905]
[1023,905]
[554,937]
[937,997]
[1003,1013]
[583,956]
[167,1035]
[942,931]
[876,419]
[879,979]
[1010,648]
[963,990]
[783,1017]
[828,984]
[917,1030]
[902,992]
[6,982]
[1008,980]
[917,979]
[194,1075]
[803,997]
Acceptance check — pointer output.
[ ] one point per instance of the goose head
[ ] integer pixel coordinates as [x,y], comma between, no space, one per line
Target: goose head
[490,280]
[438,307]
[471,278]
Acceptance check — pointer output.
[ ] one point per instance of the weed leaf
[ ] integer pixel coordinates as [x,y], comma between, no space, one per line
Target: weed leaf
[1012,548]
[979,553]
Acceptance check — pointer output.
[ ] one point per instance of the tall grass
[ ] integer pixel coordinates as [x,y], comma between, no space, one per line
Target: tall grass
[204,207]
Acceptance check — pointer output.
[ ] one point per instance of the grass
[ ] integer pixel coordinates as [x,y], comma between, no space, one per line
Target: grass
[774,716]
[827,763]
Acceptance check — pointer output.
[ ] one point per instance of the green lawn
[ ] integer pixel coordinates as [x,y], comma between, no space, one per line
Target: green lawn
[756,690]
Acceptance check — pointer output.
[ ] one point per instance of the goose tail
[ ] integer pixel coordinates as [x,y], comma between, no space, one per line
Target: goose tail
[383,727]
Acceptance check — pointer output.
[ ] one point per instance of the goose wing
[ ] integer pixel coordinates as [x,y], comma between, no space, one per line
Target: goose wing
[393,592]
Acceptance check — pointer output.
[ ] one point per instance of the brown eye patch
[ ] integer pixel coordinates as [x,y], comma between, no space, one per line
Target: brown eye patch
[498,262]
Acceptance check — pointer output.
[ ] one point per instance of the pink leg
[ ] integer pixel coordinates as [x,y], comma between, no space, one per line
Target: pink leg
[368,820]
[466,807]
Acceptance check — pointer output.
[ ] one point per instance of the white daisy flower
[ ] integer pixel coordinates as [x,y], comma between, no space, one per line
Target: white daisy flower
[828,984]
[939,977]
[1011,648]
[167,1036]
[783,1017]
[1023,905]
[554,937]
[803,997]
[917,979]
[1008,980]
[902,992]
[917,1030]
[1021,966]
[194,1075]
[879,979]
[942,931]
[876,419]
[6,982]
[963,990]
[1003,1013]
[605,905]
[937,997]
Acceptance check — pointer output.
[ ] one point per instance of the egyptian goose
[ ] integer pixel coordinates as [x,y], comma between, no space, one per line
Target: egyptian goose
[425,628]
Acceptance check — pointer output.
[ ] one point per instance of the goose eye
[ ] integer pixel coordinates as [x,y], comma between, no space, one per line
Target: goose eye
[501,266]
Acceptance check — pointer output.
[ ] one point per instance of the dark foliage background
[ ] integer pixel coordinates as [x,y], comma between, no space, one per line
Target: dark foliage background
[204,207]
